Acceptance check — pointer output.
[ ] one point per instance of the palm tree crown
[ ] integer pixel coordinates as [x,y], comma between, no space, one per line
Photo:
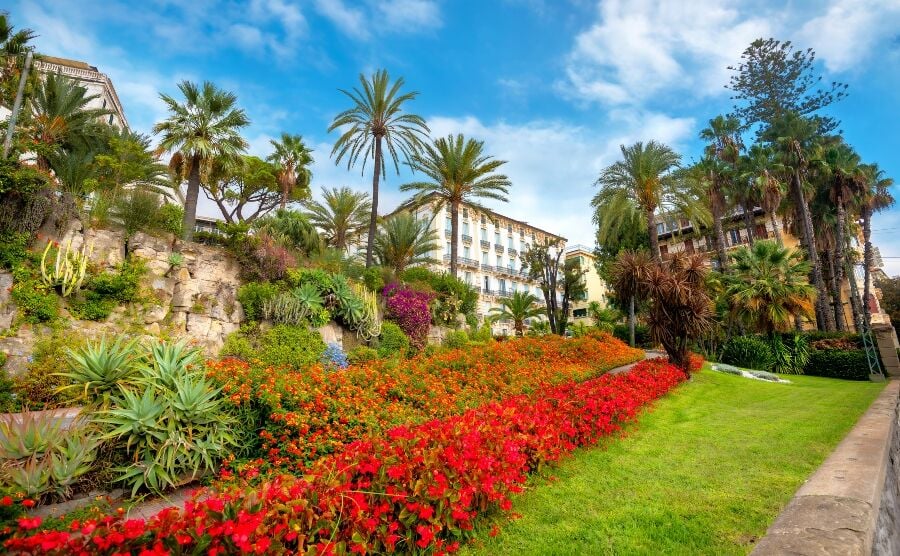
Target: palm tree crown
[459,172]
[293,158]
[203,127]
[341,216]
[404,241]
[518,308]
[376,120]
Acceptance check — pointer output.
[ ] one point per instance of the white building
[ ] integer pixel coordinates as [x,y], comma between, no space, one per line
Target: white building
[90,78]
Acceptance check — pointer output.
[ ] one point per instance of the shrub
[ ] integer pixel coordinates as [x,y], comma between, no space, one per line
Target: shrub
[409,309]
[846,364]
[294,346]
[452,295]
[39,386]
[790,353]
[361,354]
[13,249]
[121,285]
[749,352]
[36,301]
[373,278]
[393,341]
[642,337]
[170,218]
[302,305]
[237,345]
[481,333]
[456,339]
[833,340]
[8,401]
[253,295]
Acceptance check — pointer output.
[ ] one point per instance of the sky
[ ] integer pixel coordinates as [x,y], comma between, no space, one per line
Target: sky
[553,87]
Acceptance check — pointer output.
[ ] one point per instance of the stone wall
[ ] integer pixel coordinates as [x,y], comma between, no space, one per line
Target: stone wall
[197,300]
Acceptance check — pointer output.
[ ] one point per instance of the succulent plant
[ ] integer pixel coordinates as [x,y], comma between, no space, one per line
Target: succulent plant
[69,269]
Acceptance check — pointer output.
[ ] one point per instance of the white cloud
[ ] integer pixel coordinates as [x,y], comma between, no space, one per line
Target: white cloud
[409,15]
[349,20]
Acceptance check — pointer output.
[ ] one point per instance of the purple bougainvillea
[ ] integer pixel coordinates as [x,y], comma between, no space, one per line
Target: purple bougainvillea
[409,309]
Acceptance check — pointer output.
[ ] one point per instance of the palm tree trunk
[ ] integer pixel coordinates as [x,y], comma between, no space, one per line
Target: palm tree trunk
[837,307]
[867,265]
[775,229]
[809,243]
[454,231]
[748,222]
[720,237]
[631,321]
[854,294]
[838,265]
[284,195]
[373,219]
[190,199]
[654,239]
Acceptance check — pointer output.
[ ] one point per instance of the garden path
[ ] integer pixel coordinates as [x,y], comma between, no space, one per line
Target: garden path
[648,354]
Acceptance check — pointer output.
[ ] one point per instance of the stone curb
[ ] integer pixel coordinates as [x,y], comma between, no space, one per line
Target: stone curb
[849,505]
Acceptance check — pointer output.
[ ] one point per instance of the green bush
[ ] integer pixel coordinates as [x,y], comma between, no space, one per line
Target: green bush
[456,339]
[748,352]
[453,295]
[13,249]
[373,278]
[393,341]
[790,353]
[322,280]
[39,386]
[92,307]
[170,218]
[35,301]
[361,354]
[295,346]
[237,345]
[8,403]
[121,285]
[253,295]
[641,334]
[846,364]
[481,334]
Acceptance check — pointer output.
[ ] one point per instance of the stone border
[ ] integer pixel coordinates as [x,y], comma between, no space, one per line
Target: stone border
[850,504]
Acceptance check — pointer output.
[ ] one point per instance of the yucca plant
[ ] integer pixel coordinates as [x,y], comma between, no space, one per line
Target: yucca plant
[99,368]
[69,269]
[29,435]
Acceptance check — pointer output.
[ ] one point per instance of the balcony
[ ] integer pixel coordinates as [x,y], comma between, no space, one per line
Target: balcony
[468,263]
[498,248]
[485,245]
[487,267]
[467,239]
[513,252]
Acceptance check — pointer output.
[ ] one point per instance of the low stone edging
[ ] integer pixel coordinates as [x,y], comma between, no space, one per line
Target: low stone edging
[851,504]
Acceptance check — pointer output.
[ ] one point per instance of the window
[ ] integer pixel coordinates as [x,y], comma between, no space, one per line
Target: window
[484,258]
[497,237]
[465,228]
[448,248]
[499,261]
[660,228]
[487,283]
[483,220]
[512,264]
[735,236]
[579,313]
[512,285]
[509,243]
[502,285]
[465,213]
[509,229]
[467,252]
[525,288]
[521,234]
[484,234]
[449,223]
[689,246]
[469,278]
[532,237]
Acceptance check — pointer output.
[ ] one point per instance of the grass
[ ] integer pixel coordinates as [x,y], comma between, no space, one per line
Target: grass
[704,472]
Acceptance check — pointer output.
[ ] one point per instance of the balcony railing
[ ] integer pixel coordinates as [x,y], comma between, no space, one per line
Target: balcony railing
[513,252]
[467,239]
[485,244]
[467,262]
[487,267]
[498,248]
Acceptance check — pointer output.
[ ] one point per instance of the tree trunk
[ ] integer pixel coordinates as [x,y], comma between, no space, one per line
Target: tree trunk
[720,238]
[654,238]
[867,266]
[454,236]
[749,221]
[854,295]
[837,306]
[809,243]
[631,321]
[775,229]
[190,199]
[373,219]
[838,266]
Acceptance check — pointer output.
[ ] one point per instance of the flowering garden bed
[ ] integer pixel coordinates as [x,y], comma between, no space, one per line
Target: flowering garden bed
[416,488]
[311,413]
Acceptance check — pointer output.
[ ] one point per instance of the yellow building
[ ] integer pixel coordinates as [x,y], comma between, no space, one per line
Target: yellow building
[595,286]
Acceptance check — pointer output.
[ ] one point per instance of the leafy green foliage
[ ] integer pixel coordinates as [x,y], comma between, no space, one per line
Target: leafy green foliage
[292,229]
[749,352]
[641,334]
[99,369]
[69,269]
[456,339]
[452,295]
[299,306]
[13,249]
[253,295]
[791,353]
[835,363]
[170,218]
[392,342]
[361,354]
[36,301]
[283,344]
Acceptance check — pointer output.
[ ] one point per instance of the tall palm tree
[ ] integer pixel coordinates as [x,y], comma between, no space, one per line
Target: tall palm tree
[13,45]
[723,151]
[518,308]
[342,216]
[59,118]
[760,169]
[293,158]
[768,285]
[794,137]
[375,121]
[875,197]
[404,241]
[707,176]
[642,179]
[459,172]
[205,126]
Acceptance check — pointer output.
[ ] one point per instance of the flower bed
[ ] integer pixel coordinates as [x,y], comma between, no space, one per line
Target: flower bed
[414,489]
[311,413]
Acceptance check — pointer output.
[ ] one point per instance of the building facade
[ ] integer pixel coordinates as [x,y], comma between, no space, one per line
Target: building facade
[490,253]
[97,84]
[595,286]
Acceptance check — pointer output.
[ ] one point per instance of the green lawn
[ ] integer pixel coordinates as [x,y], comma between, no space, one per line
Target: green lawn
[704,472]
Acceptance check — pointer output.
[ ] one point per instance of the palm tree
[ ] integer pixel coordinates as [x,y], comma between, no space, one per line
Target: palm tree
[206,126]
[459,172]
[292,229]
[794,137]
[757,168]
[768,286]
[375,121]
[294,158]
[342,216]
[642,180]
[13,45]
[61,119]
[404,241]
[518,308]
[708,176]
[875,197]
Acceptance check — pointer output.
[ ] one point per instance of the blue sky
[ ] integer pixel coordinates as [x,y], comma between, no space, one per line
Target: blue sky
[551,86]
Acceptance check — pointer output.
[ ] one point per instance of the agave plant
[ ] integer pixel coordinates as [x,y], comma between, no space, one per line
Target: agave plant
[136,419]
[69,270]
[29,435]
[72,460]
[166,362]
[32,478]
[295,307]
[99,368]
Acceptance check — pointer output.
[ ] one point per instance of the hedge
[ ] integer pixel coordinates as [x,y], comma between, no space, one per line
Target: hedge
[846,364]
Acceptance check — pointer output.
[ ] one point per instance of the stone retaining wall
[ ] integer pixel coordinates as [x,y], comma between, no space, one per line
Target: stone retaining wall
[851,504]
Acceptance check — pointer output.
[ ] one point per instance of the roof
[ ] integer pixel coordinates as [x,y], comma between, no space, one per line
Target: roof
[408,204]
[580,248]
[67,62]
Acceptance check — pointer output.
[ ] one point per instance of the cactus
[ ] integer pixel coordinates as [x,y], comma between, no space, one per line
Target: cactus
[369,326]
[69,270]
